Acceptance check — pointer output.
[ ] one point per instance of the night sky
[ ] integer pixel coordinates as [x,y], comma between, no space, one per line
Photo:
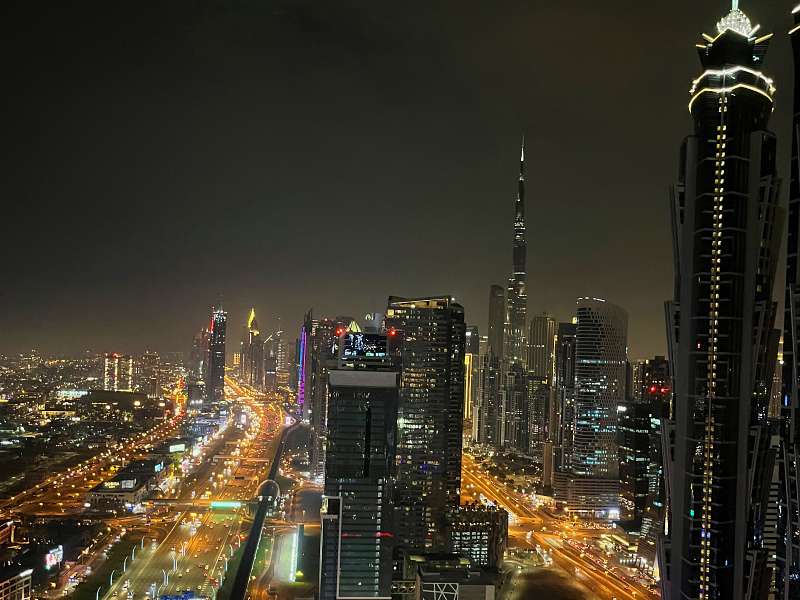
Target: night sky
[327,154]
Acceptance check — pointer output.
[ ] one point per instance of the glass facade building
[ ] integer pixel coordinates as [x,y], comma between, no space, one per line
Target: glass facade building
[357,513]
[432,334]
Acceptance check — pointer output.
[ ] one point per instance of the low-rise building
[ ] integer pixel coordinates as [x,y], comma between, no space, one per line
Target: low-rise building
[15,583]
[129,487]
[479,533]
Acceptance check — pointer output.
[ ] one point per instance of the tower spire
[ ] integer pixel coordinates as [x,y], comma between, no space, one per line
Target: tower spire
[522,158]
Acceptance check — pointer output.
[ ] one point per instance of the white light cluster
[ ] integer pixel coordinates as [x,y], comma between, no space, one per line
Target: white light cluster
[736,21]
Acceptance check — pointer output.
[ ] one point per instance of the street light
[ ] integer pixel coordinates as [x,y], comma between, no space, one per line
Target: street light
[111,578]
[125,564]
[97,593]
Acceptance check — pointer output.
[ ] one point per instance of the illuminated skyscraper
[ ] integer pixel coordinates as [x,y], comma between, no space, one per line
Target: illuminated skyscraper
[215,382]
[592,485]
[721,323]
[429,419]
[517,296]
[118,372]
[357,512]
[148,374]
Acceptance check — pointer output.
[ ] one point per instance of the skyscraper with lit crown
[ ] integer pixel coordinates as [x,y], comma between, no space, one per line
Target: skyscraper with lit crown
[722,339]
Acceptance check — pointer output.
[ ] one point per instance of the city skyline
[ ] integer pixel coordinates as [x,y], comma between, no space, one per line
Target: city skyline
[267,177]
[392,373]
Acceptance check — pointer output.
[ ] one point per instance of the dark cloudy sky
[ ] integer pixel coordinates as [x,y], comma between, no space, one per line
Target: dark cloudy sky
[297,153]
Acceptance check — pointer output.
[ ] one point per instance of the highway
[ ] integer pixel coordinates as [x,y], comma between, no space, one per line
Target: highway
[530,527]
[195,551]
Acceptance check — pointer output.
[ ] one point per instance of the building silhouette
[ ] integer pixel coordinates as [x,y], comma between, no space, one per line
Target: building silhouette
[722,339]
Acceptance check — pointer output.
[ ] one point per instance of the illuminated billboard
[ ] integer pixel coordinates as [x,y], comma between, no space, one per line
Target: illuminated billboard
[54,557]
[363,345]
[177,448]
[225,504]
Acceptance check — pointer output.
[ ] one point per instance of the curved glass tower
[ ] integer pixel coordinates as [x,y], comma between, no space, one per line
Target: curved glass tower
[723,343]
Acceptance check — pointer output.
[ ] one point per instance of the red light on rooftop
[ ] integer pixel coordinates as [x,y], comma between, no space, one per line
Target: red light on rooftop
[653,389]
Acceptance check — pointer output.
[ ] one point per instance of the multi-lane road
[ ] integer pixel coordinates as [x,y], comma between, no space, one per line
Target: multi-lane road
[530,527]
[195,551]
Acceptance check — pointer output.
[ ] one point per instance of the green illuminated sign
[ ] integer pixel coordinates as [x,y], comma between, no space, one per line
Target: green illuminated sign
[226,504]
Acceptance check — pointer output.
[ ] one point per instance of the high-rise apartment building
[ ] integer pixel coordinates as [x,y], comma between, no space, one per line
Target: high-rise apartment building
[215,381]
[357,513]
[592,484]
[148,374]
[429,434]
[721,322]
[517,295]
[118,372]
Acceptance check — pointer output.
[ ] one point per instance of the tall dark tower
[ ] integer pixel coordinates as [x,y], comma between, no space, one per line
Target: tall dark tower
[517,296]
[497,317]
[787,563]
[429,414]
[357,511]
[721,323]
[215,385]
